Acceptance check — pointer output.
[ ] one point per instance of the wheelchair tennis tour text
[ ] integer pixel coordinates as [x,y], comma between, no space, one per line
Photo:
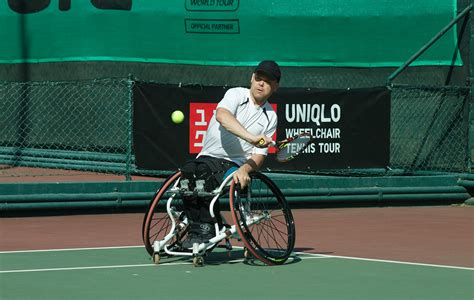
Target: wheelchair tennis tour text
[316,114]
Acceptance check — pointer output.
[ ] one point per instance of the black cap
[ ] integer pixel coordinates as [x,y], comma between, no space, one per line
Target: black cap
[269,68]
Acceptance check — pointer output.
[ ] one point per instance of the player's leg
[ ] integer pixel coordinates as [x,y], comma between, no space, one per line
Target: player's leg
[196,208]
[209,171]
[201,225]
[263,219]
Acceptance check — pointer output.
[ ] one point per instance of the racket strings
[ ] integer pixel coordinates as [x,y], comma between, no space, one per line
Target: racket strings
[289,150]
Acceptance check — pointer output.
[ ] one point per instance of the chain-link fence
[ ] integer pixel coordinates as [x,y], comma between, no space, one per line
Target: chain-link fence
[429,128]
[87,126]
[68,125]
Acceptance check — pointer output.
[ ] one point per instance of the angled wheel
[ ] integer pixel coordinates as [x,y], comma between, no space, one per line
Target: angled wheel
[263,219]
[157,223]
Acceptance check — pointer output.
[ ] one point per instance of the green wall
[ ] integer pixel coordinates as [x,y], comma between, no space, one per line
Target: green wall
[227,32]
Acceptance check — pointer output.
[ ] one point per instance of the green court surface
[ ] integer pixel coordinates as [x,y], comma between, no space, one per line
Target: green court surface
[127,273]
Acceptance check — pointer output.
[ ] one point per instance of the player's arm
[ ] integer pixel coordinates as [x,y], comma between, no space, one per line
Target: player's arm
[252,164]
[229,122]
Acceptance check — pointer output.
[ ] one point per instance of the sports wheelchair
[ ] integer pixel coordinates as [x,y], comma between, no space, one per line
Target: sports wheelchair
[262,220]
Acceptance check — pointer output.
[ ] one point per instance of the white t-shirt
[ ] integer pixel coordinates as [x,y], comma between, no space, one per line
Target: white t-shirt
[220,143]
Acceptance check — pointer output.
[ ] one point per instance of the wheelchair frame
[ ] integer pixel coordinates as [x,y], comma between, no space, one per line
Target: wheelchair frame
[243,216]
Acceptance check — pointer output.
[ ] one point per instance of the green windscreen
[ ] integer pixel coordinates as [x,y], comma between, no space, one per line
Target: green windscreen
[359,33]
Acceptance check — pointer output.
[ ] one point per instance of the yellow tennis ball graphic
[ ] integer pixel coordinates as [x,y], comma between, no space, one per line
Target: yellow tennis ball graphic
[177,117]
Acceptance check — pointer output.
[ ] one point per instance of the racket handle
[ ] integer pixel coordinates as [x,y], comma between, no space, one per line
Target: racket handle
[262,142]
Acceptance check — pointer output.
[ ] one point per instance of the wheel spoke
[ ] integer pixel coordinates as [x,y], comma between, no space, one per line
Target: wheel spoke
[267,228]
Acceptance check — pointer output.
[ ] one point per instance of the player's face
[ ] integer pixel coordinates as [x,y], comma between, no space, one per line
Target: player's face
[262,87]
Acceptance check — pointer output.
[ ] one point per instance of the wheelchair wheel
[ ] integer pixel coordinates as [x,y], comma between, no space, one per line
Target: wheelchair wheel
[157,223]
[263,219]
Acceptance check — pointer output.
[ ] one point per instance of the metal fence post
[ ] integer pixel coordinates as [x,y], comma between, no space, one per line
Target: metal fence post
[128,167]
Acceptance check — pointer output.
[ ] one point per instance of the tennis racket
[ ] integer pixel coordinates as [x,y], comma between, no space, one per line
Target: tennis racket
[289,148]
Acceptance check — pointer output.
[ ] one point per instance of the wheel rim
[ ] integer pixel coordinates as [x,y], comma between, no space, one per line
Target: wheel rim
[271,239]
[157,222]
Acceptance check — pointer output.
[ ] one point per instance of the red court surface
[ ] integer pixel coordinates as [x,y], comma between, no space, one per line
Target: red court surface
[10,174]
[440,235]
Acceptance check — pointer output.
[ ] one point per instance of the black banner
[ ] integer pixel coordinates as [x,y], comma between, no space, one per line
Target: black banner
[352,126]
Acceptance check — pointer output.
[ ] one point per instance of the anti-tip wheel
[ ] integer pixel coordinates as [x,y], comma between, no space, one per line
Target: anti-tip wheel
[198,261]
[156,258]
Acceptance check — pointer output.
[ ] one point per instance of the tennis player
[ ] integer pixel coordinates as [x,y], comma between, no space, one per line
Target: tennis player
[242,120]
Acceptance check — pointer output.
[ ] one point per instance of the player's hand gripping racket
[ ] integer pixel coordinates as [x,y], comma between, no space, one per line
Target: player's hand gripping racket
[291,147]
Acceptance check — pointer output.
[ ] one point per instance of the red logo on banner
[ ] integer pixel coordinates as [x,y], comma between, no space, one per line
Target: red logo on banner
[200,115]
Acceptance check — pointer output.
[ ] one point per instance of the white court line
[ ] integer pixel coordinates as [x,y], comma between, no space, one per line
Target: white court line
[123,266]
[76,268]
[396,262]
[70,249]
[309,255]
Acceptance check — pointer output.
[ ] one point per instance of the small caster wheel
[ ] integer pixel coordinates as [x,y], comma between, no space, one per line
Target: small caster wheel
[198,261]
[247,253]
[156,258]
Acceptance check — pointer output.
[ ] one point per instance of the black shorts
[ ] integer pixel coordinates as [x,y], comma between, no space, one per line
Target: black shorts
[207,168]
